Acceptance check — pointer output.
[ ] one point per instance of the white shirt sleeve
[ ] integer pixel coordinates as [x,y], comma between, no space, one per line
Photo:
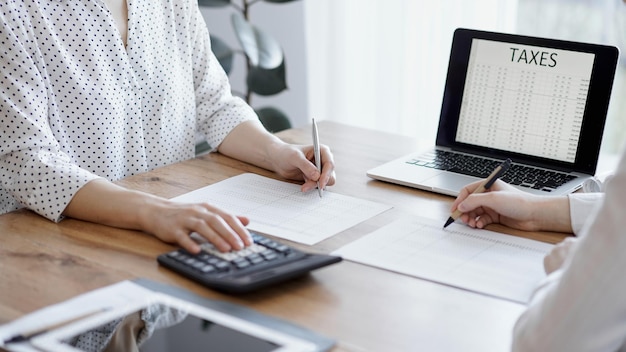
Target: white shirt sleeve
[77,104]
[218,111]
[35,171]
[582,306]
[581,205]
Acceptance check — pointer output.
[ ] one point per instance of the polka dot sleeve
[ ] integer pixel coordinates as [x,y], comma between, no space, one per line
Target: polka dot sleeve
[218,111]
[30,156]
[77,103]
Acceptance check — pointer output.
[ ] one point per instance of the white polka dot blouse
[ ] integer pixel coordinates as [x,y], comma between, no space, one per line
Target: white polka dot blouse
[77,104]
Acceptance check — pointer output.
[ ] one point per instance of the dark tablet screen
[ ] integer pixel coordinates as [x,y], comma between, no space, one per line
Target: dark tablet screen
[172,331]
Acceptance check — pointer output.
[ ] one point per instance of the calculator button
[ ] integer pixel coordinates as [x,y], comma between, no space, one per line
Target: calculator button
[204,256]
[175,255]
[254,257]
[207,269]
[267,252]
[222,266]
[255,248]
[242,265]
[198,264]
[239,260]
[244,252]
[270,244]
[270,256]
[264,241]
[179,256]
[282,248]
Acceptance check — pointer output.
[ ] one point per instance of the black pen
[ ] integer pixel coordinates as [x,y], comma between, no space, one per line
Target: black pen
[25,336]
[485,185]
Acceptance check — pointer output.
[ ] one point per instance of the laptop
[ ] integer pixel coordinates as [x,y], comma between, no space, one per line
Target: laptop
[540,102]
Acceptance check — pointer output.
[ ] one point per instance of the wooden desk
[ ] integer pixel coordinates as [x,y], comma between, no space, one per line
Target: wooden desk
[363,308]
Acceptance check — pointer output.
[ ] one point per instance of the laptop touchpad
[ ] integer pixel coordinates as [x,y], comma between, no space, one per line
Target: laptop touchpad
[449,183]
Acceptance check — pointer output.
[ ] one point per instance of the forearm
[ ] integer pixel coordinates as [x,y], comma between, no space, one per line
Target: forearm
[250,142]
[104,202]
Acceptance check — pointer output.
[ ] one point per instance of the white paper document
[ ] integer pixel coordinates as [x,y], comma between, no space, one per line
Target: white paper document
[483,261]
[280,209]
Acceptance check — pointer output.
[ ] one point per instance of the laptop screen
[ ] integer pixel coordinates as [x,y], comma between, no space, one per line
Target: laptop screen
[539,101]
[524,99]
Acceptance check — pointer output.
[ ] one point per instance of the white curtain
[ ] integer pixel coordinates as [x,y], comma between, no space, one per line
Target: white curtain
[595,21]
[381,64]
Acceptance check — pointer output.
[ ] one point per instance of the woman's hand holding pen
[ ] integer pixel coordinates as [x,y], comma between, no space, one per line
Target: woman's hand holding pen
[297,162]
[250,142]
[506,205]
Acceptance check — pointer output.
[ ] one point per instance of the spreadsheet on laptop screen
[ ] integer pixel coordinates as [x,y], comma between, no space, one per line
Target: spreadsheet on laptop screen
[525,99]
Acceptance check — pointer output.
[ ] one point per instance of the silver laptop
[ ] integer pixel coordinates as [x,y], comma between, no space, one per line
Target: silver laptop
[540,102]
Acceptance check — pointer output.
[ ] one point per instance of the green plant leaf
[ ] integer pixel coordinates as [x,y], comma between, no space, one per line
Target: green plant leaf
[223,53]
[261,49]
[273,119]
[267,81]
[214,3]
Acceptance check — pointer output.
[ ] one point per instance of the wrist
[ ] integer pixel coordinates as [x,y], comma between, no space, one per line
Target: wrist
[271,154]
[148,206]
[250,142]
[552,214]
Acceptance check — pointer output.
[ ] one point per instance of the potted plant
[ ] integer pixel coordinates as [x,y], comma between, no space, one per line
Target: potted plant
[265,59]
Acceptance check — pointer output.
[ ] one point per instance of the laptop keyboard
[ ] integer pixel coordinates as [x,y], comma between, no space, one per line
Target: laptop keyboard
[519,175]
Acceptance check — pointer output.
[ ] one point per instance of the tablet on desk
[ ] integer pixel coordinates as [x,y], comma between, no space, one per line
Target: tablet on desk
[164,324]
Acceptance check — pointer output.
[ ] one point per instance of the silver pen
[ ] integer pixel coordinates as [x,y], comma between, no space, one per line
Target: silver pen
[316,151]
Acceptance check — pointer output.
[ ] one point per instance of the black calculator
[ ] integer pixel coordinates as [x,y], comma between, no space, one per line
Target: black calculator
[265,262]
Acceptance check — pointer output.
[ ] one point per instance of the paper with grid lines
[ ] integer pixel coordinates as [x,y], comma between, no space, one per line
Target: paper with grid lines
[280,209]
[483,261]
